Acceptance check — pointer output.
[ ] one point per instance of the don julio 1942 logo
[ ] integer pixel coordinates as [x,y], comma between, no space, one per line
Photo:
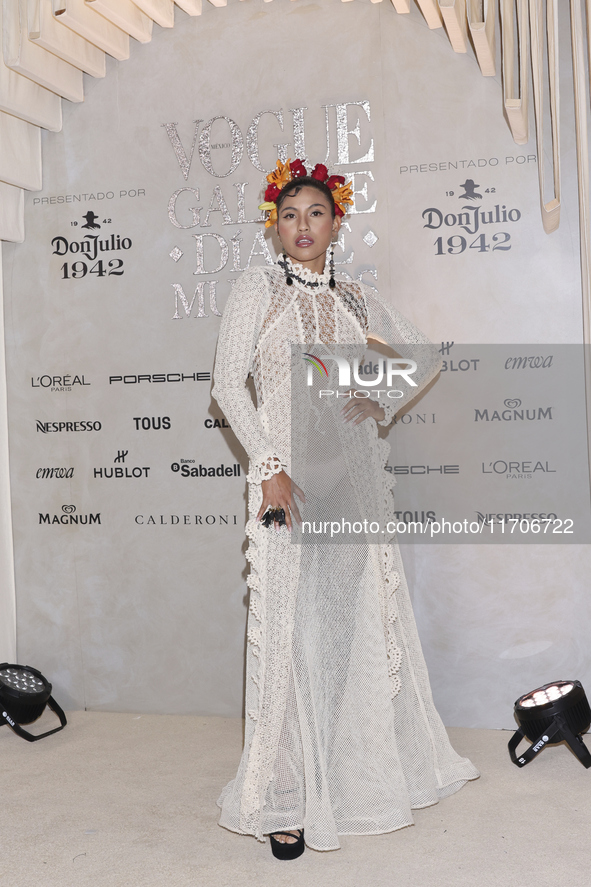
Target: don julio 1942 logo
[475,220]
[92,252]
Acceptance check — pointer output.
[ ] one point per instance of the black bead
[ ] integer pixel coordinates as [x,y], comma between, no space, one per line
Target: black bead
[288,280]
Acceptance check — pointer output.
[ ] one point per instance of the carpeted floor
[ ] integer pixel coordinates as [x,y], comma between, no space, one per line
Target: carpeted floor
[120,800]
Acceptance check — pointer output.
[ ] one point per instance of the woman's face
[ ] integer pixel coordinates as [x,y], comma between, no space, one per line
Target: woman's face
[306,227]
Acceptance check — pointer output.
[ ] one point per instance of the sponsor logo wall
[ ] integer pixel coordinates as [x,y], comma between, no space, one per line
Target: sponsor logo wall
[132,249]
[525,456]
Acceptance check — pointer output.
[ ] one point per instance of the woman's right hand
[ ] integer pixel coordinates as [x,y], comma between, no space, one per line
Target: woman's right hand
[278,492]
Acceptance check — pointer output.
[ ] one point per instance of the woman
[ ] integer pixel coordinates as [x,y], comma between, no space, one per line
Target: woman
[342,736]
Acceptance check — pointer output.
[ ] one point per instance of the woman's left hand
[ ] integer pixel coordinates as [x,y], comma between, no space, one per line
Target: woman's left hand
[358,409]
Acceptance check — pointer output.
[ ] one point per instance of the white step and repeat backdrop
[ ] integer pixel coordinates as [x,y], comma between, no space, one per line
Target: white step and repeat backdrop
[128,485]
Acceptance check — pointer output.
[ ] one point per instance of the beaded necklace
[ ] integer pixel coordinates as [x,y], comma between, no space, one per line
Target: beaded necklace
[290,274]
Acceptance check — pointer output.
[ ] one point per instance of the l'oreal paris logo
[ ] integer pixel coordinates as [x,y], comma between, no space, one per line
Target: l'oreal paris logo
[390,367]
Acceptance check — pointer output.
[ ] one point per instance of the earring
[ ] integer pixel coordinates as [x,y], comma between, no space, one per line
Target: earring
[331,281]
[288,278]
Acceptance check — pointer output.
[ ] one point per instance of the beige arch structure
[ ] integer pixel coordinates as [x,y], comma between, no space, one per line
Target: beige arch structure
[47,45]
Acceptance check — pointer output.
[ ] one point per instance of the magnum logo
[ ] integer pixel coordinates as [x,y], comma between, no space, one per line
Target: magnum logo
[69,517]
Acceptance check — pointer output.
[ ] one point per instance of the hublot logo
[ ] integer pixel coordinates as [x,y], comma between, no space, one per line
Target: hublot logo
[117,472]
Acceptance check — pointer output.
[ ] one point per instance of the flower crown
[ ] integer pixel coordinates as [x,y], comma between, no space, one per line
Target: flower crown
[284,173]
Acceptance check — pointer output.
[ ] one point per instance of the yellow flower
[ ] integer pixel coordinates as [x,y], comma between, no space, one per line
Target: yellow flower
[343,195]
[272,210]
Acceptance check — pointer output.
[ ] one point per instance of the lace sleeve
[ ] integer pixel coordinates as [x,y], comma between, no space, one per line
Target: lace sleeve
[239,332]
[397,331]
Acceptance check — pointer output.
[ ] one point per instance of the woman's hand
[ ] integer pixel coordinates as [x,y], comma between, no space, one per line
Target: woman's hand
[278,492]
[358,409]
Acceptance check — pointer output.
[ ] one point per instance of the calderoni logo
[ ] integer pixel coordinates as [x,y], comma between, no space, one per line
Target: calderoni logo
[58,384]
[152,378]
[203,471]
[67,427]
[513,413]
[186,520]
[215,423]
[68,517]
[415,419]
[49,473]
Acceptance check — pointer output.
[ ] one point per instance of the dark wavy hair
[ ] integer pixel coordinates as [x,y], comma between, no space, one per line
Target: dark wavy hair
[296,186]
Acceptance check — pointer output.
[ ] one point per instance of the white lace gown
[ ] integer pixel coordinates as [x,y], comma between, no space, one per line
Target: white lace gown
[342,736]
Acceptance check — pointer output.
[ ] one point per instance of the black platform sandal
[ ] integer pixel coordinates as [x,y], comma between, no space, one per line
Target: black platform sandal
[282,850]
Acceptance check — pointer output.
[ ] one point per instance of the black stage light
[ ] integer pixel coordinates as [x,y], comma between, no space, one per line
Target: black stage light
[548,715]
[24,693]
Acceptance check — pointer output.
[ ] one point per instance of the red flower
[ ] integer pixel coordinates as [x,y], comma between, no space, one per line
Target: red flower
[272,193]
[297,169]
[338,211]
[320,172]
[334,181]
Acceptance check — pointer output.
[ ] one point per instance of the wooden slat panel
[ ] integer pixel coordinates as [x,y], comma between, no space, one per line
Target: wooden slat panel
[483,34]
[126,16]
[582,141]
[25,99]
[162,11]
[12,213]
[45,30]
[219,2]
[516,106]
[34,62]
[454,19]
[401,6]
[432,14]
[191,7]
[75,14]
[20,153]
[551,209]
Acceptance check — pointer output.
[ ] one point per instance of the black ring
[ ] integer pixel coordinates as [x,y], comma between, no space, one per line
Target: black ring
[273,516]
